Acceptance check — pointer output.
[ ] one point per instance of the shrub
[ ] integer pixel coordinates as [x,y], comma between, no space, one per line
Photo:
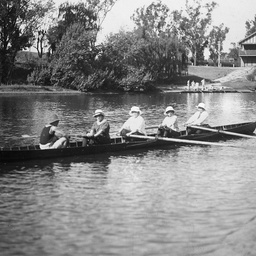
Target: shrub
[40,76]
[252,76]
[135,77]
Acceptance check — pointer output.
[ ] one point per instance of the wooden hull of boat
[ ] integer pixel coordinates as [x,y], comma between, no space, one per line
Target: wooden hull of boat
[117,145]
[75,149]
[242,128]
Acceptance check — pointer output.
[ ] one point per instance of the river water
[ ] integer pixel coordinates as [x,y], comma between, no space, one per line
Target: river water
[187,200]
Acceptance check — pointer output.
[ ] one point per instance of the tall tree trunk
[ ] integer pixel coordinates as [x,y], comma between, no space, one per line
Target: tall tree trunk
[195,57]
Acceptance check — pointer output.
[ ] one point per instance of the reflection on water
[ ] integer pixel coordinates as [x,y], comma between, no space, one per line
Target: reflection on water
[183,200]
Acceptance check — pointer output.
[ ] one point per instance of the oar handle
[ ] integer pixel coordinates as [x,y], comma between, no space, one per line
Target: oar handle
[223,132]
[152,127]
[26,136]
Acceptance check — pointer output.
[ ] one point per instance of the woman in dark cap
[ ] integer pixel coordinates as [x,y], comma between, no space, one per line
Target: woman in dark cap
[51,137]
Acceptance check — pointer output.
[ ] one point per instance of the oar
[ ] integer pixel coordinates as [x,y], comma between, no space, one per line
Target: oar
[181,140]
[222,131]
[151,127]
[26,136]
[81,135]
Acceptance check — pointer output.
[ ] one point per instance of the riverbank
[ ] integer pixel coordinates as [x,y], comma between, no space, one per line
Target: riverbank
[35,89]
[231,78]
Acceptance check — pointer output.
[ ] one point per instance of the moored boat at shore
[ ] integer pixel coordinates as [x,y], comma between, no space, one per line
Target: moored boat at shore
[118,144]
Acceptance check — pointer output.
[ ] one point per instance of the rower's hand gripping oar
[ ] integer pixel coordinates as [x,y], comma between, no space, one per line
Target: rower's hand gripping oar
[28,136]
[223,132]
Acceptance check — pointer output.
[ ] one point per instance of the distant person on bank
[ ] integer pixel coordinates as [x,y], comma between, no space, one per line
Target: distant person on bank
[51,137]
[169,127]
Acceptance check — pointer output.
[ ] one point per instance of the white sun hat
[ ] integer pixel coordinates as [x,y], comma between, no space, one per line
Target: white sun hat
[135,109]
[98,112]
[201,105]
[168,109]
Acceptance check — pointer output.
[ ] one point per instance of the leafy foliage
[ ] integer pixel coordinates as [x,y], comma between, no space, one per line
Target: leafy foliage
[234,53]
[40,76]
[156,49]
[193,25]
[216,37]
[250,26]
[70,14]
[43,16]
[90,14]
[74,57]
[18,21]
[159,47]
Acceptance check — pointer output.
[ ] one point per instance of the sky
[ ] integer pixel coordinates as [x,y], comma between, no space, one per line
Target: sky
[233,13]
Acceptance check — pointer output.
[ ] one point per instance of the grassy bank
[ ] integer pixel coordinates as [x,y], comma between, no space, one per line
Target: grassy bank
[235,78]
[34,89]
[210,73]
[197,73]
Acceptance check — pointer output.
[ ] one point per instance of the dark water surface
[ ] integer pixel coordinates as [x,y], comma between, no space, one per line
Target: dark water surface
[182,201]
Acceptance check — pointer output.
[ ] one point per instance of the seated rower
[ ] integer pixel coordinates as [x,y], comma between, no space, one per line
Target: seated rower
[99,133]
[169,127]
[198,119]
[51,137]
[134,125]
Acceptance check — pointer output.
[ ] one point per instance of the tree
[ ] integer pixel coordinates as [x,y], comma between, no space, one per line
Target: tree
[85,19]
[216,38]
[74,58]
[18,20]
[90,13]
[234,53]
[193,25]
[43,12]
[70,14]
[153,19]
[159,48]
[250,26]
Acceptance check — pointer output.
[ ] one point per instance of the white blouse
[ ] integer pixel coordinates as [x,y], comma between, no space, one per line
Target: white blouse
[134,124]
[198,118]
[171,122]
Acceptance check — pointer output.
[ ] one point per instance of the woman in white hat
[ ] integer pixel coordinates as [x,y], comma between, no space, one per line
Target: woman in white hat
[198,118]
[135,124]
[99,133]
[51,137]
[169,127]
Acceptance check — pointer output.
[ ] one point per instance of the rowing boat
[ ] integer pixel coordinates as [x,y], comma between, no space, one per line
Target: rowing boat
[10,154]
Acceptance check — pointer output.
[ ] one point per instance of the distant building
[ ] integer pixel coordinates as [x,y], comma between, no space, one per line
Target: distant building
[247,52]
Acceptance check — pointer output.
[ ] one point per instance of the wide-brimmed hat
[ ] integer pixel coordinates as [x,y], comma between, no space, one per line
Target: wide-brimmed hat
[98,112]
[201,105]
[54,119]
[168,109]
[135,109]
